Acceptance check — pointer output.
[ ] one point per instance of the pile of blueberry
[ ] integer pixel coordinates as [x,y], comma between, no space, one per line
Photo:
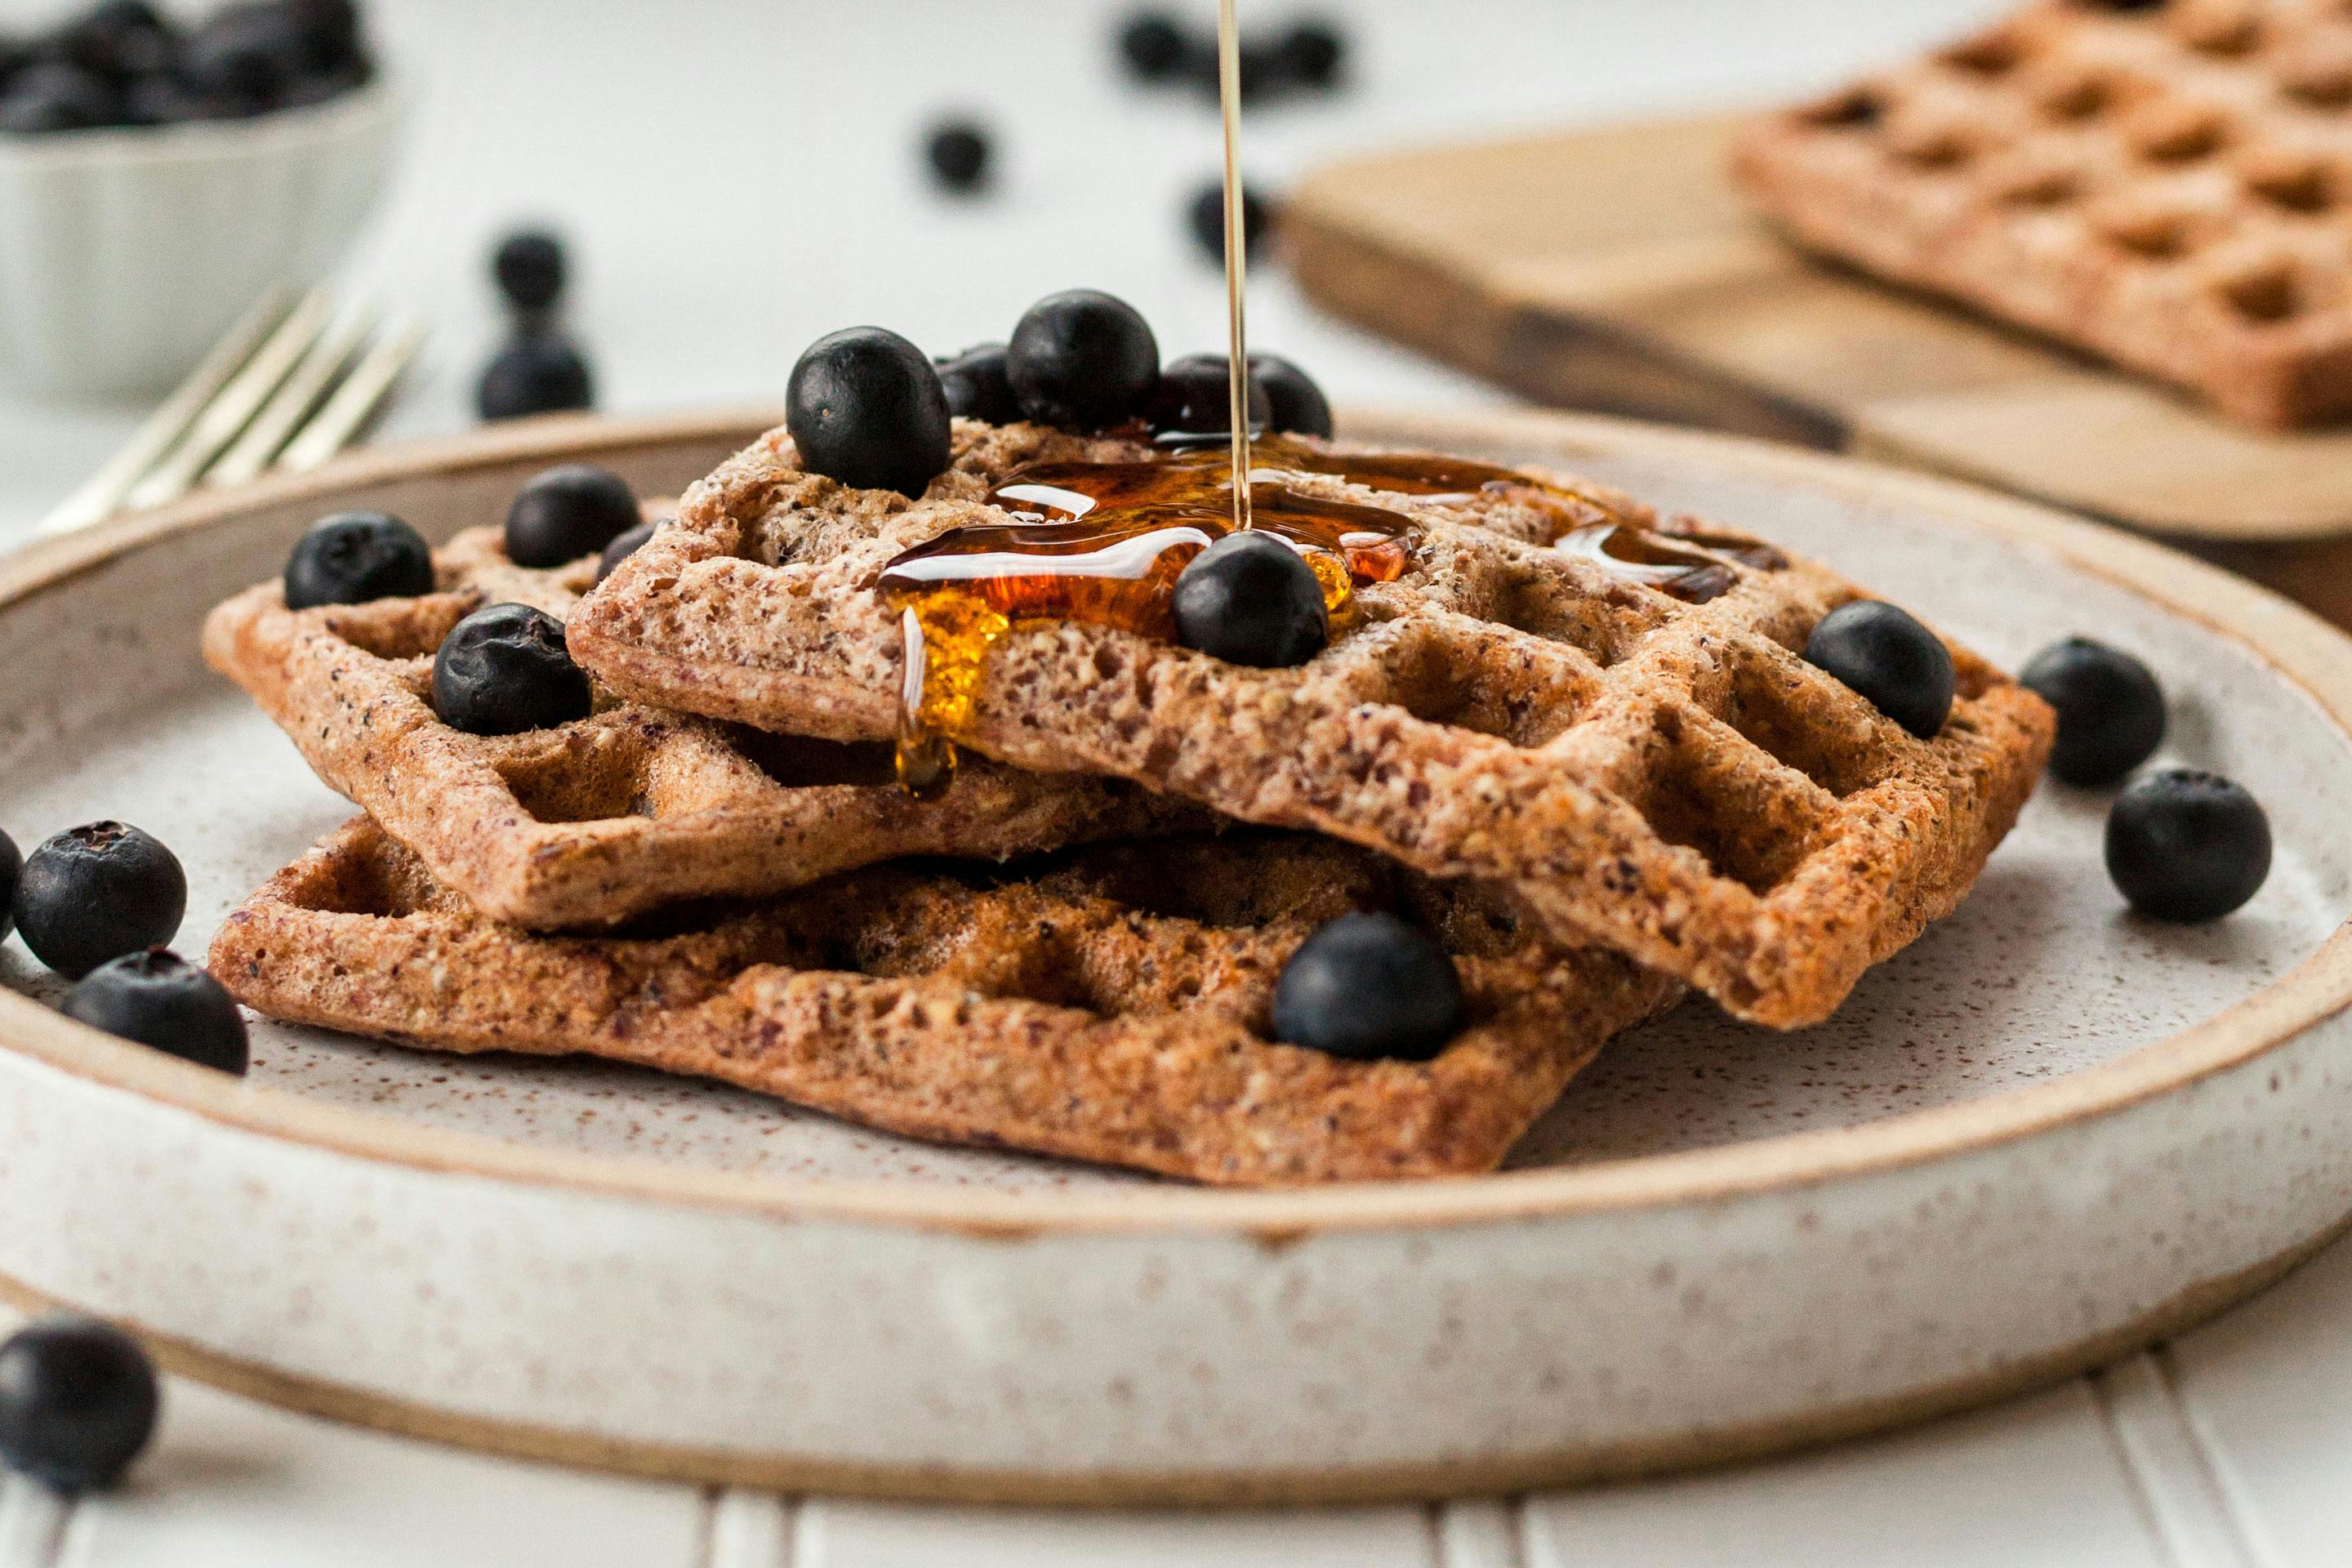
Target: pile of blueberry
[539,369]
[123,62]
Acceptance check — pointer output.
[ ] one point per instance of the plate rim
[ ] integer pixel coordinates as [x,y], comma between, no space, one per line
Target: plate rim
[2298,646]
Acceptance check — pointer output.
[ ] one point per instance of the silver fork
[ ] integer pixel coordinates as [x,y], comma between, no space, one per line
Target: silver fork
[292,383]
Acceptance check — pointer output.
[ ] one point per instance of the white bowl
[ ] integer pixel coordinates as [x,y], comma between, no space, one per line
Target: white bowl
[126,253]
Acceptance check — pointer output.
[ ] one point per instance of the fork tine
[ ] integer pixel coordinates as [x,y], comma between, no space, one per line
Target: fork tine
[230,412]
[354,403]
[103,492]
[293,402]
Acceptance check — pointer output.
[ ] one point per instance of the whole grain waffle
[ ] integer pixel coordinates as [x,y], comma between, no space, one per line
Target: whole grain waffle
[1666,779]
[2163,184]
[591,822]
[1109,1003]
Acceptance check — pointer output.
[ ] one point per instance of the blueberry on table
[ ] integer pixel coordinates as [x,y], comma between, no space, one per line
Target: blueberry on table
[1368,986]
[157,998]
[54,96]
[77,1402]
[504,669]
[1154,45]
[529,268]
[355,557]
[12,867]
[624,545]
[567,512]
[96,892]
[958,153]
[1249,599]
[1885,654]
[1313,53]
[1082,359]
[866,408]
[977,387]
[1293,403]
[1195,399]
[2186,846]
[538,373]
[1206,218]
[2110,709]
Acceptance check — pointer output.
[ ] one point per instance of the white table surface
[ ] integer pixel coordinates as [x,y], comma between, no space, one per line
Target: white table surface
[737,177]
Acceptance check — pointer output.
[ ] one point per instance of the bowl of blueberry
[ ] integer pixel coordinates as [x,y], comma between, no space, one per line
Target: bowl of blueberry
[160,173]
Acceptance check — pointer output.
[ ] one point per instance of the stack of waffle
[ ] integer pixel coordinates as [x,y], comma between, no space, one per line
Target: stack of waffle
[1592,793]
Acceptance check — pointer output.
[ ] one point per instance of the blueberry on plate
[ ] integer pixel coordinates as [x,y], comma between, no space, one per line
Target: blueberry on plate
[976,385]
[1249,599]
[2186,846]
[1082,359]
[1293,403]
[1194,401]
[2110,709]
[1313,53]
[77,1402]
[55,95]
[958,152]
[157,998]
[529,268]
[567,512]
[624,545]
[504,669]
[1368,986]
[537,373]
[96,892]
[1206,218]
[12,867]
[1885,654]
[1154,45]
[354,557]
[866,408]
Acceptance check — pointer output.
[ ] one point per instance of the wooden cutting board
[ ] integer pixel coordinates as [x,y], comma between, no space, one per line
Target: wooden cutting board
[1618,269]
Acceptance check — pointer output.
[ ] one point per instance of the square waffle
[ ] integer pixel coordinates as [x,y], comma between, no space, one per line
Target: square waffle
[2162,185]
[1666,779]
[588,823]
[1107,1004]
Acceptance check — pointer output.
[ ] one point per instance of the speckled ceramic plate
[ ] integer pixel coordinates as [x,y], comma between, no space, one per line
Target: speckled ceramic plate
[2045,1133]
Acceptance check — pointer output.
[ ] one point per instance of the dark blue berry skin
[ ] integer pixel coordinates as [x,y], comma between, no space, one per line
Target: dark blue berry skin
[1888,657]
[121,40]
[2110,709]
[957,154]
[77,1402]
[12,867]
[244,58]
[866,408]
[159,999]
[537,373]
[567,512]
[354,557]
[1295,404]
[503,670]
[1314,53]
[1082,359]
[1206,218]
[977,387]
[1249,599]
[96,892]
[1368,986]
[56,96]
[1194,399]
[624,545]
[2186,846]
[1154,45]
[529,269]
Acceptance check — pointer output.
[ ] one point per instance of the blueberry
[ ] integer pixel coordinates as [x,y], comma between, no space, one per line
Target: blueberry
[2186,846]
[159,999]
[1082,359]
[567,512]
[866,408]
[55,95]
[958,153]
[96,892]
[538,373]
[120,40]
[1313,53]
[1249,599]
[1153,44]
[245,56]
[162,100]
[1889,657]
[354,557]
[77,1402]
[1295,404]
[1195,399]
[330,34]
[976,385]
[1264,71]
[12,866]
[1368,986]
[2110,709]
[624,545]
[320,88]
[1206,216]
[529,268]
[504,669]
